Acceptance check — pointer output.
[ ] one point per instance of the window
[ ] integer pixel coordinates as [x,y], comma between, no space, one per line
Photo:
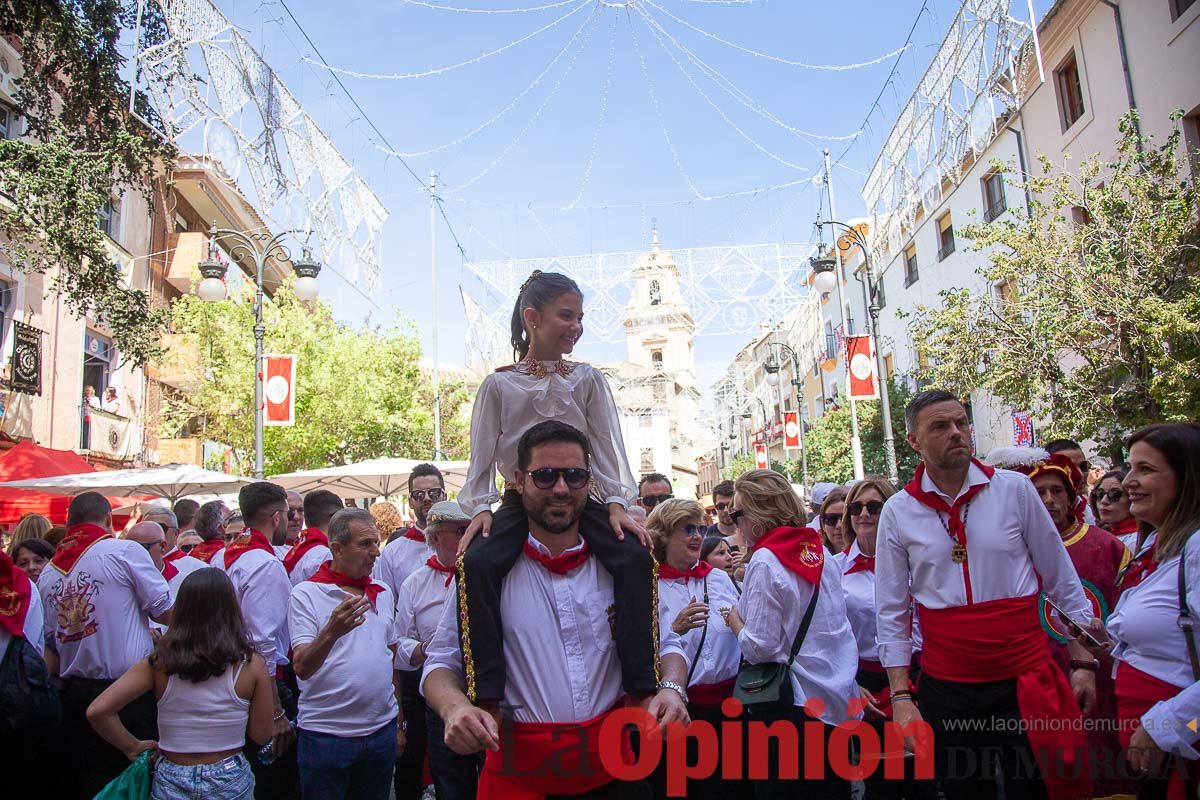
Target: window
[880,297]
[647,459]
[1180,6]
[10,122]
[1006,294]
[656,358]
[655,293]
[889,365]
[108,219]
[945,236]
[1191,140]
[181,224]
[993,196]
[910,265]
[1080,216]
[1070,91]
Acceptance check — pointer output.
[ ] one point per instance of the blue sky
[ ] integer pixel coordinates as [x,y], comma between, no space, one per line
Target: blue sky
[542,162]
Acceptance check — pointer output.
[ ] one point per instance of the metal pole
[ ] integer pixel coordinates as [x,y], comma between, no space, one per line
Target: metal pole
[437,371]
[259,333]
[855,439]
[885,402]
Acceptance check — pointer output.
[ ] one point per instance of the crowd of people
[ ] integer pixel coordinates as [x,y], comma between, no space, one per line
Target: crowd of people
[1017,627]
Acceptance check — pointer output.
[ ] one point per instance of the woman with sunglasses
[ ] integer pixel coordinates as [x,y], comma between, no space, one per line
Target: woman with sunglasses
[547,322]
[1110,505]
[787,572]
[860,524]
[693,599]
[833,510]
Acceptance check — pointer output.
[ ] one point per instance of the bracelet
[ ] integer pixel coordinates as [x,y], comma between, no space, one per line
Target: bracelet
[902,694]
[278,716]
[1090,666]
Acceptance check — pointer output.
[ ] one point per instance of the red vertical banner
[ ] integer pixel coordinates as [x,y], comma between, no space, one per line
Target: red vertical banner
[279,390]
[863,385]
[791,430]
[760,456]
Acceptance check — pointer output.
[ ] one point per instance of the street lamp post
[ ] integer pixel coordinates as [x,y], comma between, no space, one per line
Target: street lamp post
[885,405]
[766,426]
[773,378]
[261,247]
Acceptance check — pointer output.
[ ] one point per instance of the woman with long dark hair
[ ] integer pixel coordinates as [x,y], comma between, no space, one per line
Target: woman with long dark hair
[211,687]
[31,556]
[1158,674]
[547,321]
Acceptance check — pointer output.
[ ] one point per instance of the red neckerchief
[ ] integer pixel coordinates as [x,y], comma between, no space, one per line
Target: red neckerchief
[560,564]
[174,555]
[862,563]
[933,500]
[327,574]
[1129,525]
[698,571]
[798,549]
[76,543]
[15,592]
[1140,567]
[207,549]
[434,564]
[169,570]
[309,538]
[247,540]
[415,534]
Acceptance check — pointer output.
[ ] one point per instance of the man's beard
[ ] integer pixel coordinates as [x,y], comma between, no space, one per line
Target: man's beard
[555,524]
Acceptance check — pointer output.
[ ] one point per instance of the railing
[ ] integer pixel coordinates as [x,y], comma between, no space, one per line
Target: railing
[993,211]
[946,249]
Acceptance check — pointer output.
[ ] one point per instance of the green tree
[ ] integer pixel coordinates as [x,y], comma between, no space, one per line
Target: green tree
[830,457]
[359,393]
[82,144]
[1097,327]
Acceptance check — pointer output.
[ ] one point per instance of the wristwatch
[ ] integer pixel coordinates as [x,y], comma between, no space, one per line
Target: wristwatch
[672,685]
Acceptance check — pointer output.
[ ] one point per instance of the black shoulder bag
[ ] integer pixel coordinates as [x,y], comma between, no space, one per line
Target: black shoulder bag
[1185,618]
[703,636]
[29,704]
[763,686]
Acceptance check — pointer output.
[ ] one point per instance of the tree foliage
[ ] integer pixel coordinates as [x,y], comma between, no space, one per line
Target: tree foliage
[82,142]
[1098,326]
[359,393]
[830,457]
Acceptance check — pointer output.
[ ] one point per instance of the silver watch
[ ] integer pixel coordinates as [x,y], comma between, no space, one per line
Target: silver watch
[672,685]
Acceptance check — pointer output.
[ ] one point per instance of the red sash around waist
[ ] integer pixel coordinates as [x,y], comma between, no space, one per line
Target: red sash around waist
[536,759]
[1137,692]
[1001,639]
[710,695]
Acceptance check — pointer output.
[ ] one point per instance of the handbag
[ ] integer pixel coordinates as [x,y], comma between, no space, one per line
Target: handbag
[132,784]
[760,687]
[29,703]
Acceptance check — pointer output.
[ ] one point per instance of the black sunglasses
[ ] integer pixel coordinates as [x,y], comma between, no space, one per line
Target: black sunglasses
[831,519]
[547,477]
[723,506]
[1113,495]
[690,530]
[651,500]
[186,548]
[433,494]
[151,545]
[293,513]
[873,508]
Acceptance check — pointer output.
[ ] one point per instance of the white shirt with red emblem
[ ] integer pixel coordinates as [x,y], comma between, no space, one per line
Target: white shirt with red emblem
[1013,550]
[98,614]
[559,655]
[351,694]
[262,586]
[418,610]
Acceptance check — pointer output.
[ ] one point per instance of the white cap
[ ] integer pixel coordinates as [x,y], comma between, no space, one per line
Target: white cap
[821,490]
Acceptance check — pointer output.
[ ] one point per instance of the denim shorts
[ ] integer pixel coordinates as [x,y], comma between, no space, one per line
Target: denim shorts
[228,779]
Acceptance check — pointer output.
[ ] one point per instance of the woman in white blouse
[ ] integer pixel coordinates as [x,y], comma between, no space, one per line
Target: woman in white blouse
[547,321]
[693,599]
[1158,674]
[787,566]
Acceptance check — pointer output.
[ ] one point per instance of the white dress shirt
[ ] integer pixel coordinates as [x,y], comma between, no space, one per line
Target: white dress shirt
[1145,624]
[33,629]
[351,693]
[1013,550]
[399,560]
[773,602]
[721,655]
[859,589]
[263,589]
[309,563]
[511,402]
[97,616]
[418,610]
[185,565]
[559,656]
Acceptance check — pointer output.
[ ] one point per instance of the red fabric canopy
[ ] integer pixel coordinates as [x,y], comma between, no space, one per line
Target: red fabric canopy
[27,460]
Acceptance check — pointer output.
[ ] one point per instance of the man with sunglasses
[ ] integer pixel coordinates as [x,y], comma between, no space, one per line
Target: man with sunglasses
[312,548]
[722,495]
[295,517]
[563,672]
[174,565]
[653,488]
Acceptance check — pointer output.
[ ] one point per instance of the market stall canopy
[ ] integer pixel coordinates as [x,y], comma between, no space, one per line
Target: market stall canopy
[377,477]
[27,460]
[170,481]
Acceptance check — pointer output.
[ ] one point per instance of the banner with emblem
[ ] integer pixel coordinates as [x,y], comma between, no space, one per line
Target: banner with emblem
[760,456]
[863,385]
[1023,429]
[112,435]
[791,430]
[279,390]
[26,359]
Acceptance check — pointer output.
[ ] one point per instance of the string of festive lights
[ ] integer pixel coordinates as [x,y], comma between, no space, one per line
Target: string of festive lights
[658,112]
[550,96]
[456,9]
[402,76]
[754,143]
[481,128]
[779,59]
[587,170]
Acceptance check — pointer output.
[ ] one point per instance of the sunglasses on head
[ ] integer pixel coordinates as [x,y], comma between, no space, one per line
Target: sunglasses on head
[433,494]
[651,500]
[1113,495]
[547,477]
[873,508]
[690,530]
[831,519]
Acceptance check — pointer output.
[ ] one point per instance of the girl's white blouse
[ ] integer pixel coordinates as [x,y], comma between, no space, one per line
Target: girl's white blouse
[512,401]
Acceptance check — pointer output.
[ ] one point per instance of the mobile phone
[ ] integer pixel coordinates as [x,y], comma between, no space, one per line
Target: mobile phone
[1067,619]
